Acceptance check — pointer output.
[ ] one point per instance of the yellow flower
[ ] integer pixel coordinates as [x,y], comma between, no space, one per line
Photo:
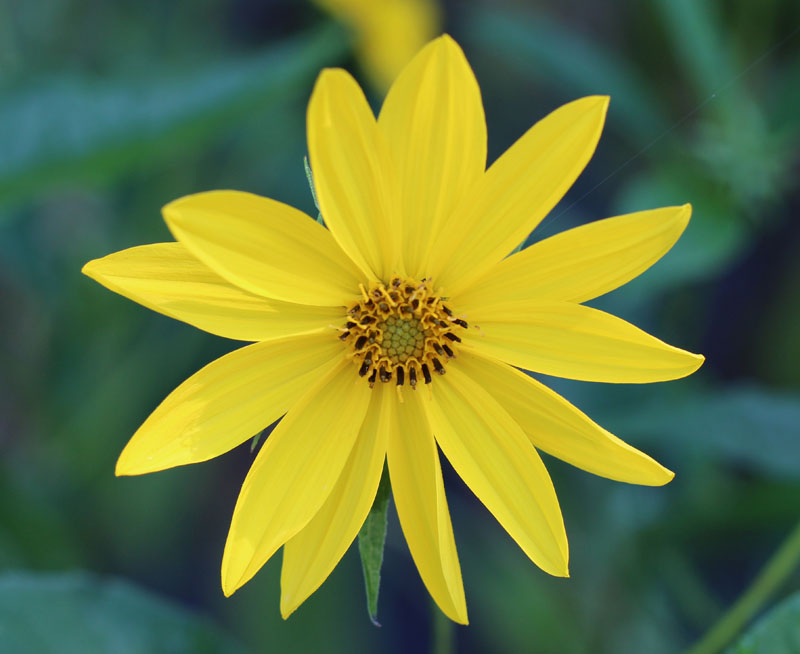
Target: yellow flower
[400,327]
[387,32]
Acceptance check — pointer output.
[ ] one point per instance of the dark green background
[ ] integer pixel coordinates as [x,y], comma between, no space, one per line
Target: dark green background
[108,110]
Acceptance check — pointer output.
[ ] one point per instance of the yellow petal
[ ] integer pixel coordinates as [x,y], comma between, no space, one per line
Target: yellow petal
[294,473]
[229,401]
[560,429]
[434,124]
[166,278]
[517,191]
[265,247]
[581,263]
[311,555]
[577,342]
[418,493]
[351,173]
[490,452]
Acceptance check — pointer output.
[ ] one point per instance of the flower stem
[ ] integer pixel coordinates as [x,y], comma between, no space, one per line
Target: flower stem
[772,575]
[442,632]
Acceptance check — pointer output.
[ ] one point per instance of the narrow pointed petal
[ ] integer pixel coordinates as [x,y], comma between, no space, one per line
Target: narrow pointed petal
[265,247]
[582,263]
[490,452]
[577,342]
[517,191]
[560,429]
[167,278]
[311,555]
[228,402]
[434,125]
[418,493]
[294,473]
[352,176]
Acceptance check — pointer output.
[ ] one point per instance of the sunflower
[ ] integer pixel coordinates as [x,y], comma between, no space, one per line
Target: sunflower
[402,326]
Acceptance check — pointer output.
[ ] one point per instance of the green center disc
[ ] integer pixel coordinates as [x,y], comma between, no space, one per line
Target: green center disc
[402,338]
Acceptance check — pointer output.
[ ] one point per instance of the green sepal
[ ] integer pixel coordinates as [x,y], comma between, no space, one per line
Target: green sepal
[521,246]
[256,438]
[371,541]
[310,178]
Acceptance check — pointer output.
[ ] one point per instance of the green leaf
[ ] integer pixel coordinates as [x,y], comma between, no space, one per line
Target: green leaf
[778,632]
[371,540]
[75,612]
[104,126]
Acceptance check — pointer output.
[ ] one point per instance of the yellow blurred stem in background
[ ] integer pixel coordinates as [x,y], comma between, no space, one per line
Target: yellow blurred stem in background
[388,33]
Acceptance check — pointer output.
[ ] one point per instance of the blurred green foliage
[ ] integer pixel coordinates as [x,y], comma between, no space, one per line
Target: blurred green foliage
[83,614]
[110,110]
[777,633]
[101,128]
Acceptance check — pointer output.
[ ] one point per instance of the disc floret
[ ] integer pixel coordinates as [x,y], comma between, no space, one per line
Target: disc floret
[402,331]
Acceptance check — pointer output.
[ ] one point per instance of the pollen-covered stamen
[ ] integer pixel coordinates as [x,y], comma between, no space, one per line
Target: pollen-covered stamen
[427,373]
[401,331]
[364,369]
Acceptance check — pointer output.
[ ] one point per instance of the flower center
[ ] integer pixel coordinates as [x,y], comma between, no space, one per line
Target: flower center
[401,331]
